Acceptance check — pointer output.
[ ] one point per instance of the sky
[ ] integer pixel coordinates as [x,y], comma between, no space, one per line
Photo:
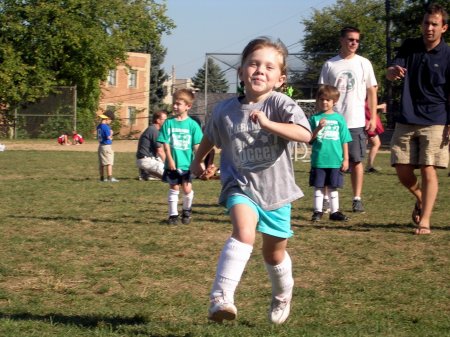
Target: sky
[226,26]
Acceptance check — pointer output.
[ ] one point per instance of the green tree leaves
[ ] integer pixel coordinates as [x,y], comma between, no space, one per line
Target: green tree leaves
[72,42]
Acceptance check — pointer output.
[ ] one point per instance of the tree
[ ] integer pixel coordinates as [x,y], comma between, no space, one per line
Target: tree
[407,16]
[217,82]
[75,42]
[322,32]
[157,78]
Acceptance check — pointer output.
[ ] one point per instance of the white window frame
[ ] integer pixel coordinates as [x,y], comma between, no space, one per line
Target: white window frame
[132,115]
[112,77]
[132,79]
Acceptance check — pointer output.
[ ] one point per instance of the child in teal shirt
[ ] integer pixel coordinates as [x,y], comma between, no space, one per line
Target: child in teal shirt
[329,157]
[180,136]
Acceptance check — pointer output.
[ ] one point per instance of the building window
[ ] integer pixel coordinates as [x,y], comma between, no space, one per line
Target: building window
[132,79]
[132,115]
[112,78]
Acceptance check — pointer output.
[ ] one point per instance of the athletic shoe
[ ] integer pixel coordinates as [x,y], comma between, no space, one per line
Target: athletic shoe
[279,310]
[113,180]
[358,206]
[173,220]
[372,170]
[104,180]
[326,206]
[186,216]
[338,216]
[221,308]
[316,216]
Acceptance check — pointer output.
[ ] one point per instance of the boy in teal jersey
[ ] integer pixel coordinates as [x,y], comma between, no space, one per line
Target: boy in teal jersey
[180,136]
[329,157]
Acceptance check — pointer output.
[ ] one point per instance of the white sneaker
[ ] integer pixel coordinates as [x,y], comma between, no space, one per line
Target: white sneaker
[220,309]
[113,180]
[279,310]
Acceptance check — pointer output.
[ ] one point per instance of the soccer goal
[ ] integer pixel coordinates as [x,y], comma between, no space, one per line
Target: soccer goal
[302,150]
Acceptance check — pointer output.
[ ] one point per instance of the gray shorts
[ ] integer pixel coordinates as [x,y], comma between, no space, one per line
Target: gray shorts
[358,146]
[419,145]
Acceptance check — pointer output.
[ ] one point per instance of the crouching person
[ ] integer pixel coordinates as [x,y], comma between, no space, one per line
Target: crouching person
[150,154]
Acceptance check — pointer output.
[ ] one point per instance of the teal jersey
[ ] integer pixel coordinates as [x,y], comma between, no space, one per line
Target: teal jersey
[327,147]
[181,137]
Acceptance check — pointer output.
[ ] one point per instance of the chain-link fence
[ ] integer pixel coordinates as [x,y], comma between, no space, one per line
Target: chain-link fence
[46,118]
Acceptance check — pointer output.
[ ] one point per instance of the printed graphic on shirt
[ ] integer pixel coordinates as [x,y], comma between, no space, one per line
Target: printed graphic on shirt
[345,81]
[253,148]
[181,139]
[330,131]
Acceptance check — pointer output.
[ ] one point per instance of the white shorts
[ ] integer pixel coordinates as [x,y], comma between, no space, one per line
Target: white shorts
[151,165]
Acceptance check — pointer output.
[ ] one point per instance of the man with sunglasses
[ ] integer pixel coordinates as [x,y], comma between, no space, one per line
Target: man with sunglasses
[354,77]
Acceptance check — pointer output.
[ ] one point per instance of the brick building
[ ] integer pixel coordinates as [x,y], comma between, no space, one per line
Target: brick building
[127,92]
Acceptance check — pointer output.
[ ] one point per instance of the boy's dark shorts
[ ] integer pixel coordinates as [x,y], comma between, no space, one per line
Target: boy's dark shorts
[358,146]
[321,177]
[176,177]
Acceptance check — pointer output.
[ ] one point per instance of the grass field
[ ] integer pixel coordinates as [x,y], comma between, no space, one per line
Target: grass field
[84,258]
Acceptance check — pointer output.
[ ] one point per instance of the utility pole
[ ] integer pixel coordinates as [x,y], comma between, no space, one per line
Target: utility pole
[388,84]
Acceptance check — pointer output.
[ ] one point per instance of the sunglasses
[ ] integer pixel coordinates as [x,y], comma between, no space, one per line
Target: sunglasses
[352,40]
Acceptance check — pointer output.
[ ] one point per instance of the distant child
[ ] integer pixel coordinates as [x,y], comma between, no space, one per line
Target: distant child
[63,139]
[180,136]
[77,139]
[254,133]
[329,157]
[374,136]
[105,151]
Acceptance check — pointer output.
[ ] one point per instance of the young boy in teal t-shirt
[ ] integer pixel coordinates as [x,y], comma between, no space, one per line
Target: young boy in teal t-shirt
[329,156]
[180,136]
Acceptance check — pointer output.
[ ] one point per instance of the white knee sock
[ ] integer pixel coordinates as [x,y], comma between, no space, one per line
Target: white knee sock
[173,202]
[231,265]
[281,278]
[187,200]
[334,200]
[318,199]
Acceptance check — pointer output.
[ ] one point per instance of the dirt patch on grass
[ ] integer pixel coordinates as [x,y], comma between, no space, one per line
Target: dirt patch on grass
[52,145]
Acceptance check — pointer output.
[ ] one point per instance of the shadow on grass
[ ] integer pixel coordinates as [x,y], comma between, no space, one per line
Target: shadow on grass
[363,227]
[87,321]
[76,219]
[114,323]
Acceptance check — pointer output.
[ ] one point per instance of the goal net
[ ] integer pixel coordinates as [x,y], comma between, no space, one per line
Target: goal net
[302,150]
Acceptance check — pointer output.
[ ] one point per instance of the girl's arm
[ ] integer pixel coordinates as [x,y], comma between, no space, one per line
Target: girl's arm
[197,166]
[319,127]
[289,131]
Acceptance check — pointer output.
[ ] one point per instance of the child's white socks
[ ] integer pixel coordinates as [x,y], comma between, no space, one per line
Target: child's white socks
[334,200]
[231,265]
[173,202]
[187,200]
[318,199]
[281,278]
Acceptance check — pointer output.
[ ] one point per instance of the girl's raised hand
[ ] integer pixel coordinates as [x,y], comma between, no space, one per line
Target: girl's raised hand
[260,117]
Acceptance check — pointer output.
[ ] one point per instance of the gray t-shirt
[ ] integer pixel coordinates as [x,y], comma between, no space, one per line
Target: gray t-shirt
[255,162]
[148,146]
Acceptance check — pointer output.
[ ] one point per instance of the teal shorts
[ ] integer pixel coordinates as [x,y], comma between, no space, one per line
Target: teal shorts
[275,223]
